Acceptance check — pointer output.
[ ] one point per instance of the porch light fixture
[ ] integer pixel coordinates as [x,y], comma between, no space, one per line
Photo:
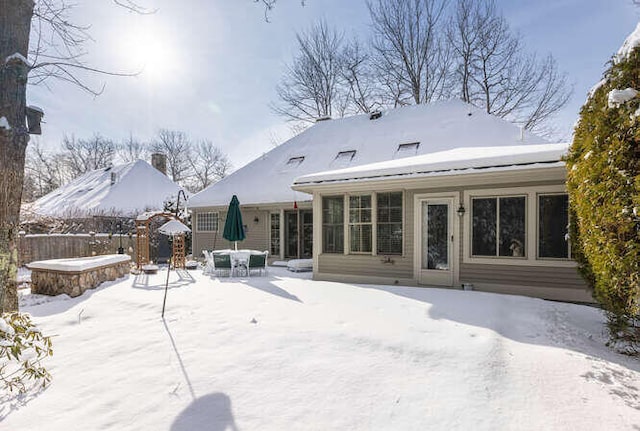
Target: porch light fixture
[461,210]
[256,220]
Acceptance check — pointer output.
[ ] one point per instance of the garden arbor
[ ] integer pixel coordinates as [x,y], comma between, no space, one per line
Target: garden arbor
[143,228]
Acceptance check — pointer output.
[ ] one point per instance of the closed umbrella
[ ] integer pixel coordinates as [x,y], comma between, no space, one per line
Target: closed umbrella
[233,228]
[171,228]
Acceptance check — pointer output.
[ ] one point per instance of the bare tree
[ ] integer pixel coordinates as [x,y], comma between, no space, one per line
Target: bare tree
[495,73]
[176,146]
[84,155]
[131,149]
[208,164]
[410,53]
[52,49]
[310,88]
[44,172]
[364,90]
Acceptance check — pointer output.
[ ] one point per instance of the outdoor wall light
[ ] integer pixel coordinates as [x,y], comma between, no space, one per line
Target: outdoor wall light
[256,220]
[461,210]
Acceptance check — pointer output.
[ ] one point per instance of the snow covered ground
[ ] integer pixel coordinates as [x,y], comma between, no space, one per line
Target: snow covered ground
[283,352]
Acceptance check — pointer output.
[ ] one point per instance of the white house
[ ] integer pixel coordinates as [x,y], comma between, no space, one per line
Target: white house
[281,220]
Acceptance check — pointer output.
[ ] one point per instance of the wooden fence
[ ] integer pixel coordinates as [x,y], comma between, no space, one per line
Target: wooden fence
[59,246]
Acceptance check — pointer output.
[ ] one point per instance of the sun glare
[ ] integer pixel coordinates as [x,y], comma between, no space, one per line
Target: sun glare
[150,53]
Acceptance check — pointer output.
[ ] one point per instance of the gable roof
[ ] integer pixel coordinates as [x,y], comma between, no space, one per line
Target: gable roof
[436,127]
[138,186]
[458,161]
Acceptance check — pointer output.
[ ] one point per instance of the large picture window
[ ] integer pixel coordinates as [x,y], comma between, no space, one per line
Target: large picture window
[275,234]
[389,223]
[360,224]
[498,227]
[553,223]
[207,222]
[333,224]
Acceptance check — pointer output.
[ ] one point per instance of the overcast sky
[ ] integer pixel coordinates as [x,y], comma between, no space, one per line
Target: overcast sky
[210,67]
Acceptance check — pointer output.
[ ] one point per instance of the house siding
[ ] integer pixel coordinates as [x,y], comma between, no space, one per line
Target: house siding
[546,281]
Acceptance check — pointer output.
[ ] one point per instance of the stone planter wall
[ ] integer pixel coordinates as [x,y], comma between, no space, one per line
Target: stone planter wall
[75,283]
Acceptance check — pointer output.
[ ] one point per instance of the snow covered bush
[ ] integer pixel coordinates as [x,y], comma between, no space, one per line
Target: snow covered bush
[22,349]
[603,180]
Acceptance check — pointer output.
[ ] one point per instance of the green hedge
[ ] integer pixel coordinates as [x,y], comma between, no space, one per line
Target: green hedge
[604,184]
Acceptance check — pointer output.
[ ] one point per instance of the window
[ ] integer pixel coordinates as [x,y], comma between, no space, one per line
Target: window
[343,159]
[295,161]
[499,226]
[274,248]
[207,222]
[389,223]
[553,222]
[360,223]
[333,224]
[407,150]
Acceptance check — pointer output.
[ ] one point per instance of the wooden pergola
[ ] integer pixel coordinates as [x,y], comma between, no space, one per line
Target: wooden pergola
[143,226]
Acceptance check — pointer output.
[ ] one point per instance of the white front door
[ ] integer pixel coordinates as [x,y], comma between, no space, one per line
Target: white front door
[436,241]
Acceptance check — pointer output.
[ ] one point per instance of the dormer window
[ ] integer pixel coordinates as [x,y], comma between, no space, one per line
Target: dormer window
[343,159]
[295,161]
[292,163]
[407,150]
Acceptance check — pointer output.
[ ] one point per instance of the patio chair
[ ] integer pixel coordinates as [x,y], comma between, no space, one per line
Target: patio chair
[222,263]
[257,262]
[209,266]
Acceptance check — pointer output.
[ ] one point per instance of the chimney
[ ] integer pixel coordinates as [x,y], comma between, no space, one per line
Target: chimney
[159,161]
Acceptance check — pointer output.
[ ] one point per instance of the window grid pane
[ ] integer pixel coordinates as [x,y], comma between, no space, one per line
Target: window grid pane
[389,224]
[333,224]
[553,223]
[207,222]
[275,235]
[484,229]
[360,226]
[512,226]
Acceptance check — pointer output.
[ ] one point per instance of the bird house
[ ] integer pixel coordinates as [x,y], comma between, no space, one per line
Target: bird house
[34,118]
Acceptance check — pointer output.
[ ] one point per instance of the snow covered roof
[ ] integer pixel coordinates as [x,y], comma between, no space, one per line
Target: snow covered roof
[137,186]
[457,161]
[358,140]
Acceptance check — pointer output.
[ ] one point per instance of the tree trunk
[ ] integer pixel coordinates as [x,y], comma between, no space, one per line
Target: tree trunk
[15,25]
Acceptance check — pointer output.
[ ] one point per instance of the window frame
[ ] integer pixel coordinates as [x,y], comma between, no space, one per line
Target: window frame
[371,222]
[271,238]
[346,223]
[531,227]
[376,252]
[526,229]
[323,224]
[217,223]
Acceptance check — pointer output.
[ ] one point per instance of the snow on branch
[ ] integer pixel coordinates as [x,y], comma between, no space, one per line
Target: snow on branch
[16,57]
[620,97]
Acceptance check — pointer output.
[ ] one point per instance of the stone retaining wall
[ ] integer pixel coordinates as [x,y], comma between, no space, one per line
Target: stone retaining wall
[75,283]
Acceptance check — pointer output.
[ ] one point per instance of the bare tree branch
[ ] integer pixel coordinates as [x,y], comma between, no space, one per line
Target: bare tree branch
[410,52]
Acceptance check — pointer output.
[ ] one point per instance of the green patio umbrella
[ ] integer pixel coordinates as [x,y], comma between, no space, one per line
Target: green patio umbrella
[233,228]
